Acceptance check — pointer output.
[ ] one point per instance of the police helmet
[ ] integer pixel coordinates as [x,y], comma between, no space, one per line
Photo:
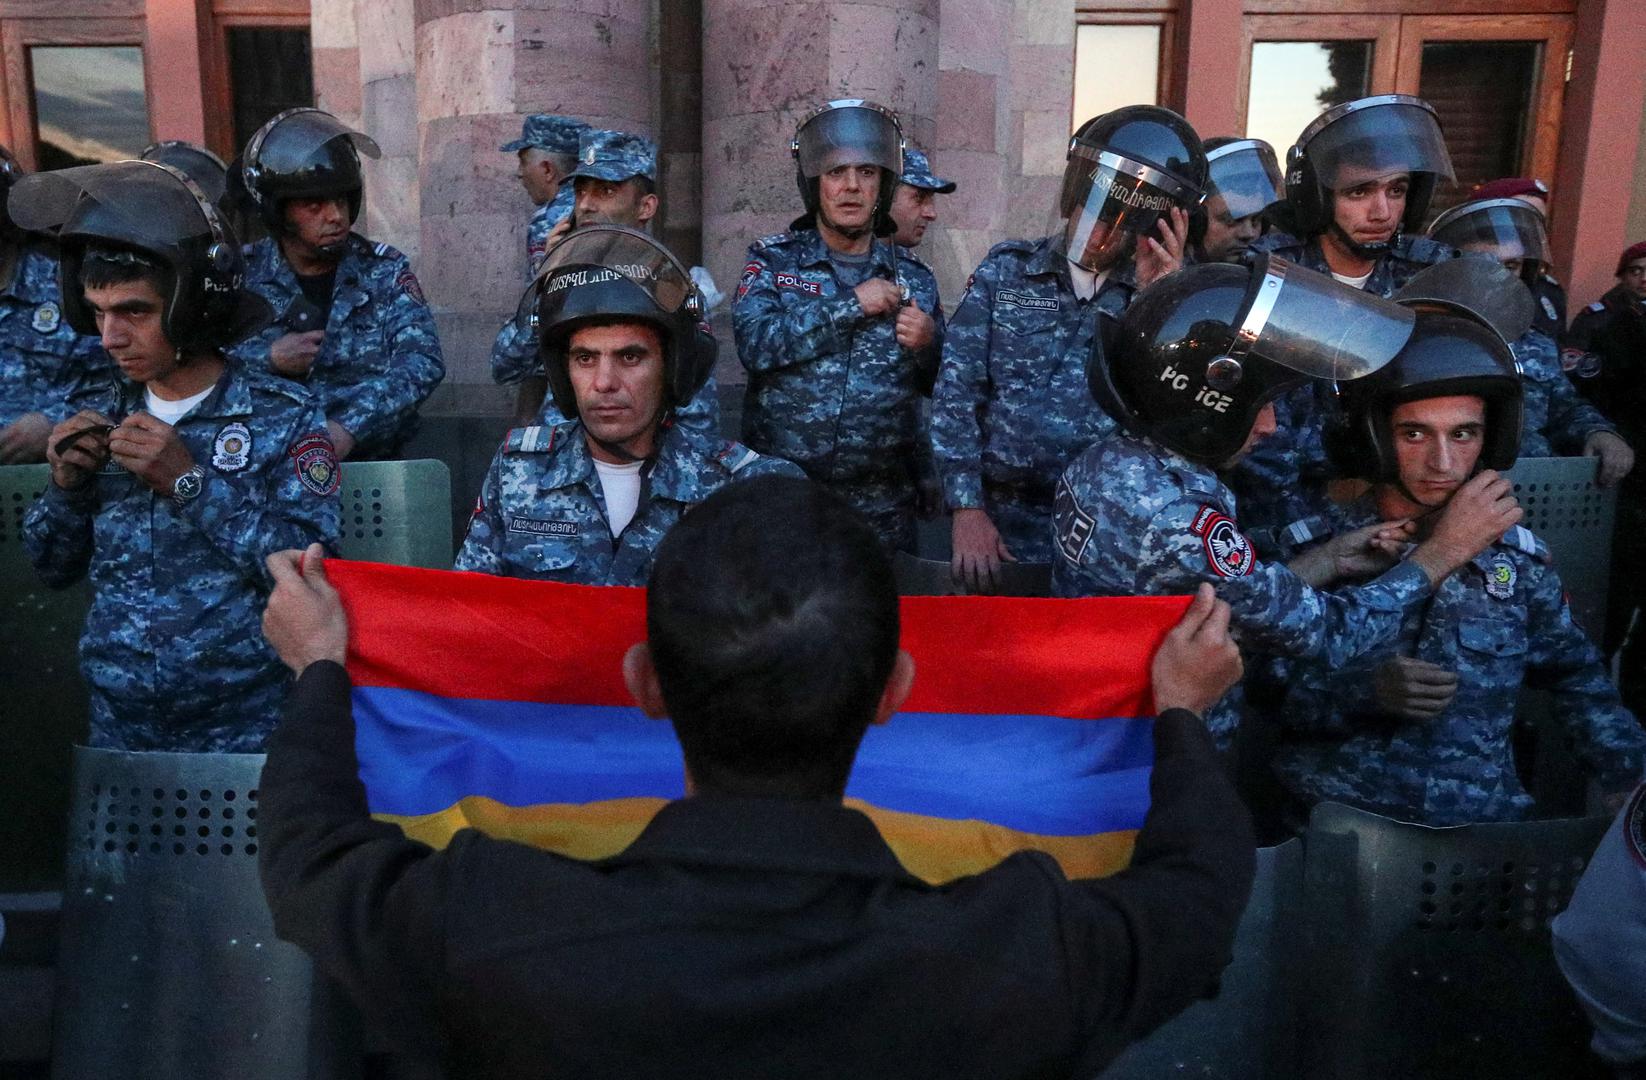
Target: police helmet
[600,271]
[303,154]
[1468,310]
[205,168]
[1246,173]
[1125,169]
[1503,229]
[849,131]
[10,173]
[1361,140]
[1200,352]
[158,214]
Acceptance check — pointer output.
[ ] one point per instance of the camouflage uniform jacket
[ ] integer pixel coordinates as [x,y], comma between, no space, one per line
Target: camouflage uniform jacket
[1500,622]
[173,648]
[542,511]
[380,358]
[42,359]
[1135,519]
[1284,478]
[1012,406]
[514,354]
[829,388]
[1557,419]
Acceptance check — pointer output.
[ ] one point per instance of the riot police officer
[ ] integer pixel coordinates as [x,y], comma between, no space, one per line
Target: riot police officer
[838,327]
[1547,290]
[547,149]
[1243,180]
[588,499]
[1199,362]
[172,482]
[1557,419]
[1358,185]
[1418,728]
[1011,406]
[351,322]
[914,205]
[42,357]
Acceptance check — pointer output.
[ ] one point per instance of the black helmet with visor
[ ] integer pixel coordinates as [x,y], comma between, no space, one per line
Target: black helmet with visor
[304,154]
[849,131]
[155,214]
[1244,174]
[1126,169]
[1201,351]
[1503,229]
[606,272]
[1361,141]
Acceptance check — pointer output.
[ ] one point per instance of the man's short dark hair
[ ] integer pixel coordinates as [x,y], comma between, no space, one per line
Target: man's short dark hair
[103,266]
[773,622]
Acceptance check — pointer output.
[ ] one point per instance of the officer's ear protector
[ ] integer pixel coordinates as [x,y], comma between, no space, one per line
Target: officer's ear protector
[207,299]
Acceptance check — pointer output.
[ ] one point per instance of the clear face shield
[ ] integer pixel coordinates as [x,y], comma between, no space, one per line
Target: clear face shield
[288,143]
[848,132]
[1478,287]
[599,254]
[1501,229]
[1108,201]
[142,203]
[1375,138]
[1246,176]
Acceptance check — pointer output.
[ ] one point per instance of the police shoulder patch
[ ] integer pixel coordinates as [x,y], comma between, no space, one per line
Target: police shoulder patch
[1228,552]
[1634,826]
[407,283]
[746,280]
[316,463]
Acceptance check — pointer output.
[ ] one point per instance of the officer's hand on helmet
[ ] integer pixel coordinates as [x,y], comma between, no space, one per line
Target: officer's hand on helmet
[293,354]
[1413,689]
[1616,459]
[73,456]
[1476,516]
[1354,555]
[150,450]
[304,621]
[24,439]
[341,440]
[877,296]
[978,550]
[1159,256]
[1198,662]
[558,233]
[915,328]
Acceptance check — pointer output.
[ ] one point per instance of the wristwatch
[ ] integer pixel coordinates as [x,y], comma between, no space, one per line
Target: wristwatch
[188,485]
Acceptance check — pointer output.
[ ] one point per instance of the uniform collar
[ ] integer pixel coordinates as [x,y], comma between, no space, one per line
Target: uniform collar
[35,279]
[814,252]
[799,836]
[682,470]
[269,264]
[229,397]
[1195,476]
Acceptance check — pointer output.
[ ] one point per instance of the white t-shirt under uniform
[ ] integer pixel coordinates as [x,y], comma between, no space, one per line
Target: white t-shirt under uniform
[621,486]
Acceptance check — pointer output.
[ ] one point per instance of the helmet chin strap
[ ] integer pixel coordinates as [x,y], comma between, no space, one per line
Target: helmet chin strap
[855,232]
[1364,251]
[621,452]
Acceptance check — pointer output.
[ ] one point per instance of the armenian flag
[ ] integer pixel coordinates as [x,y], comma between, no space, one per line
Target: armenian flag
[497,704]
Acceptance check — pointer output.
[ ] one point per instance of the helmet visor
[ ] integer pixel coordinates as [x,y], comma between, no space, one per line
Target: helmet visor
[1246,175]
[1108,201]
[849,133]
[1318,326]
[594,254]
[1481,288]
[139,203]
[293,139]
[1376,141]
[1501,228]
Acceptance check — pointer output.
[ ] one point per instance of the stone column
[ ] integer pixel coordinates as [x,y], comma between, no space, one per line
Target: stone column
[481,65]
[388,113]
[765,64]
[335,45]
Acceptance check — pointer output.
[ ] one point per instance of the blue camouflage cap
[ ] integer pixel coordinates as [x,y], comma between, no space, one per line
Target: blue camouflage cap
[615,156]
[917,172]
[546,131]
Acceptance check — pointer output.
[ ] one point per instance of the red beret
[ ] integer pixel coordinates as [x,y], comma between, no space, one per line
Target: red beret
[1509,188]
[1630,254]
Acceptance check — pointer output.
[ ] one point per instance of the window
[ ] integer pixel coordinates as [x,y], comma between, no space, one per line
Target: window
[1482,92]
[1294,81]
[89,104]
[1115,65]
[269,72]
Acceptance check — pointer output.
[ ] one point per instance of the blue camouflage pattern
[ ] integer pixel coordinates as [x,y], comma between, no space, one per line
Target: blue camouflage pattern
[547,131]
[1500,622]
[616,156]
[1557,419]
[917,173]
[514,354]
[1012,406]
[42,358]
[173,650]
[1284,478]
[542,511]
[1135,519]
[829,388]
[380,358]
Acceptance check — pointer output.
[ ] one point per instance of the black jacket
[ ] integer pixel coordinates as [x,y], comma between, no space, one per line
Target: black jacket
[746,937]
[1611,333]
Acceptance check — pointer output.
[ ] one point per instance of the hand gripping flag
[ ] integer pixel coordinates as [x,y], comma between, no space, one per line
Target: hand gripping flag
[499,704]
